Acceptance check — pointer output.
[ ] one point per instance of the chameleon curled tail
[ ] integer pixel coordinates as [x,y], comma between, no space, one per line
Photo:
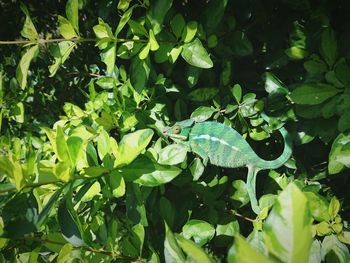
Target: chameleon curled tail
[225,147]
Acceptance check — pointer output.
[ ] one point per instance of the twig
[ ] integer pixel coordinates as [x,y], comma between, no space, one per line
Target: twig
[242,216]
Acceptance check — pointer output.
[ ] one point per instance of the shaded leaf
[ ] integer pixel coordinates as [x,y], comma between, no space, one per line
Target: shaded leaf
[313,93]
[149,173]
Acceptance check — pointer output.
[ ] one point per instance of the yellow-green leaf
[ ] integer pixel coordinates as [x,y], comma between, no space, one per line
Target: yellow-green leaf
[72,8]
[23,66]
[132,145]
[28,30]
[66,28]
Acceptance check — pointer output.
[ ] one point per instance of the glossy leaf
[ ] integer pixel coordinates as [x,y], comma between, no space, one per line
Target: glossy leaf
[23,66]
[72,8]
[192,250]
[66,28]
[199,230]
[177,25]
[132,145]
[172,154]
[28,30]
[333,250]
[149,173]
[196,55]
[202,113]
[288,233]
[172,250]
[242,252]
[339,154]
[69,225]
[157,13]
[313,94]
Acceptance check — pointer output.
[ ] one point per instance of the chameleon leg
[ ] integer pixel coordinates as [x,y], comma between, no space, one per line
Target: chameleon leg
[199,151]
[251,188]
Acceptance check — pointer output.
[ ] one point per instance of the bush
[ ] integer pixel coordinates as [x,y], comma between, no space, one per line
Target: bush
[88,87]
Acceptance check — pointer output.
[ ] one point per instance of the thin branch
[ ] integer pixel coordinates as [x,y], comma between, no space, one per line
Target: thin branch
[242,216]
[56,40]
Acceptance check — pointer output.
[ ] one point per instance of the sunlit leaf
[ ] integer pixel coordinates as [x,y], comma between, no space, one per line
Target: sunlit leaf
[196,55]
[23,66]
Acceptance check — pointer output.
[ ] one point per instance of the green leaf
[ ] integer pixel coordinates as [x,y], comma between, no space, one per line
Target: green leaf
[213,14]
[102,30]
[196,168]
[273,84]
[72,9]
[230,229]
[189,31]
[318,206]
[241,44]
[329,46]
[149,173]
[199,230]
[334,251]
[202,113]
[242,252]
[69,224]
[108,56]
[344,121]
[139,73]
[123,4]
[334,207]
[175,53]
[124,20]
[315,65]
[48,208]
[339,155]
[172,154]
[167,211]
[196,55]
[157,12]
[23,66]
[132,145]
[177,25]
[93,190]
[18,112]
[65,253]
[240,192]
[117,184]
[75,149]
[144,52]
[137,28]
[287,230]
[66,28]
[153,41]
[313,93]
[237,92]
[172,251]
[192,75]
[19,215]
[61,53]
[193,251]
[28,30]
[103,144]
[203,94]
[62,150]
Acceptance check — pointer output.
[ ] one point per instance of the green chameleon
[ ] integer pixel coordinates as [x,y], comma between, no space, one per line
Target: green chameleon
[225,147]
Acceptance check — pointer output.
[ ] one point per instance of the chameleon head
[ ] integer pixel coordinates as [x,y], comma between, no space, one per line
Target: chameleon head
[180,131]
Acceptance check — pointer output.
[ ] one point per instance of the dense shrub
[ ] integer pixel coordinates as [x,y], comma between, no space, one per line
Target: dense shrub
[86,88]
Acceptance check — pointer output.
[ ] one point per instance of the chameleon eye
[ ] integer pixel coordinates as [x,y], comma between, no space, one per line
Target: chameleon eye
[176,130]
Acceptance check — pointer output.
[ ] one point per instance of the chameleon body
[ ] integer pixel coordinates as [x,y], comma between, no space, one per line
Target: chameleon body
[225,147]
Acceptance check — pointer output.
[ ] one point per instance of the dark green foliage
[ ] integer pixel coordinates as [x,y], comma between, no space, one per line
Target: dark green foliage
[86,88]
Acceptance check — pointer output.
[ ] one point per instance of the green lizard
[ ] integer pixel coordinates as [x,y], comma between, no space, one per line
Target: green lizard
[225,147]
